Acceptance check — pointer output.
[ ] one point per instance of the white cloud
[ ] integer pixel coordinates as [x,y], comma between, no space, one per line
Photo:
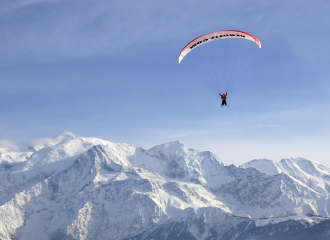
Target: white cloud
[8,144]
[42,142]
[37,143]
[10,5]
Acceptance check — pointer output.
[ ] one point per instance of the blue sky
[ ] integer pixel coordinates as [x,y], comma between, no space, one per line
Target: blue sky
[109,69]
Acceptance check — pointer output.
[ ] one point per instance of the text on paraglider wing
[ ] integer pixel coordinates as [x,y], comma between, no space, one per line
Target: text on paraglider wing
[215,38]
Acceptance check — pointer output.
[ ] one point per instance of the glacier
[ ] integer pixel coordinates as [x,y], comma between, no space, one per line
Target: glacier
[87,188]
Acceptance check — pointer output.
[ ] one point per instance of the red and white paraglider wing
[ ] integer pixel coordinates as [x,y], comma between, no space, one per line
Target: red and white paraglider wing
[209,37]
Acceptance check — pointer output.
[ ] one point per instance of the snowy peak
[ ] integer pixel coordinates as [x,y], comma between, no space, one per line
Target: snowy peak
[263,165]
[60,155]
[7,156]
[49,161]
[170,145]
[176,161]
[171,150]
[47,142]
[105,157]
[304,165]
[308,172]
[292,167]
[88,188]
[271,195]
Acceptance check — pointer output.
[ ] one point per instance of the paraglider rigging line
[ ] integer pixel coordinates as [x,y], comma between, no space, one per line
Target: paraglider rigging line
[225,56]
[215,69]
[248,54]
[201,60]
[232,69]
[193,66]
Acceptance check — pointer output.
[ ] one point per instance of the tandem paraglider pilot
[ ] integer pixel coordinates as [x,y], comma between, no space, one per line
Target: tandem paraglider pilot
[223,97]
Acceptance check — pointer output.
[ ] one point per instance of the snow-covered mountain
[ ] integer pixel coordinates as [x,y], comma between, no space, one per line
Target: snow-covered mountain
[88,188]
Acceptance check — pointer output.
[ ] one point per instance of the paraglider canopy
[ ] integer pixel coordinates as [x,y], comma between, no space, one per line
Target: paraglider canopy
[220,64]
[215,36]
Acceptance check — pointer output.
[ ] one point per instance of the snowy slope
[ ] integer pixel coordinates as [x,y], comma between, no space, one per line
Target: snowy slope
[310,173]
[88,188]
[48,161]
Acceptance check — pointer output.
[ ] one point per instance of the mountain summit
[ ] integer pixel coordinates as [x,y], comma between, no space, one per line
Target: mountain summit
[88,188]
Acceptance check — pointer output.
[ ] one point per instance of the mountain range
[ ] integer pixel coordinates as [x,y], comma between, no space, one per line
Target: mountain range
[89,188]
